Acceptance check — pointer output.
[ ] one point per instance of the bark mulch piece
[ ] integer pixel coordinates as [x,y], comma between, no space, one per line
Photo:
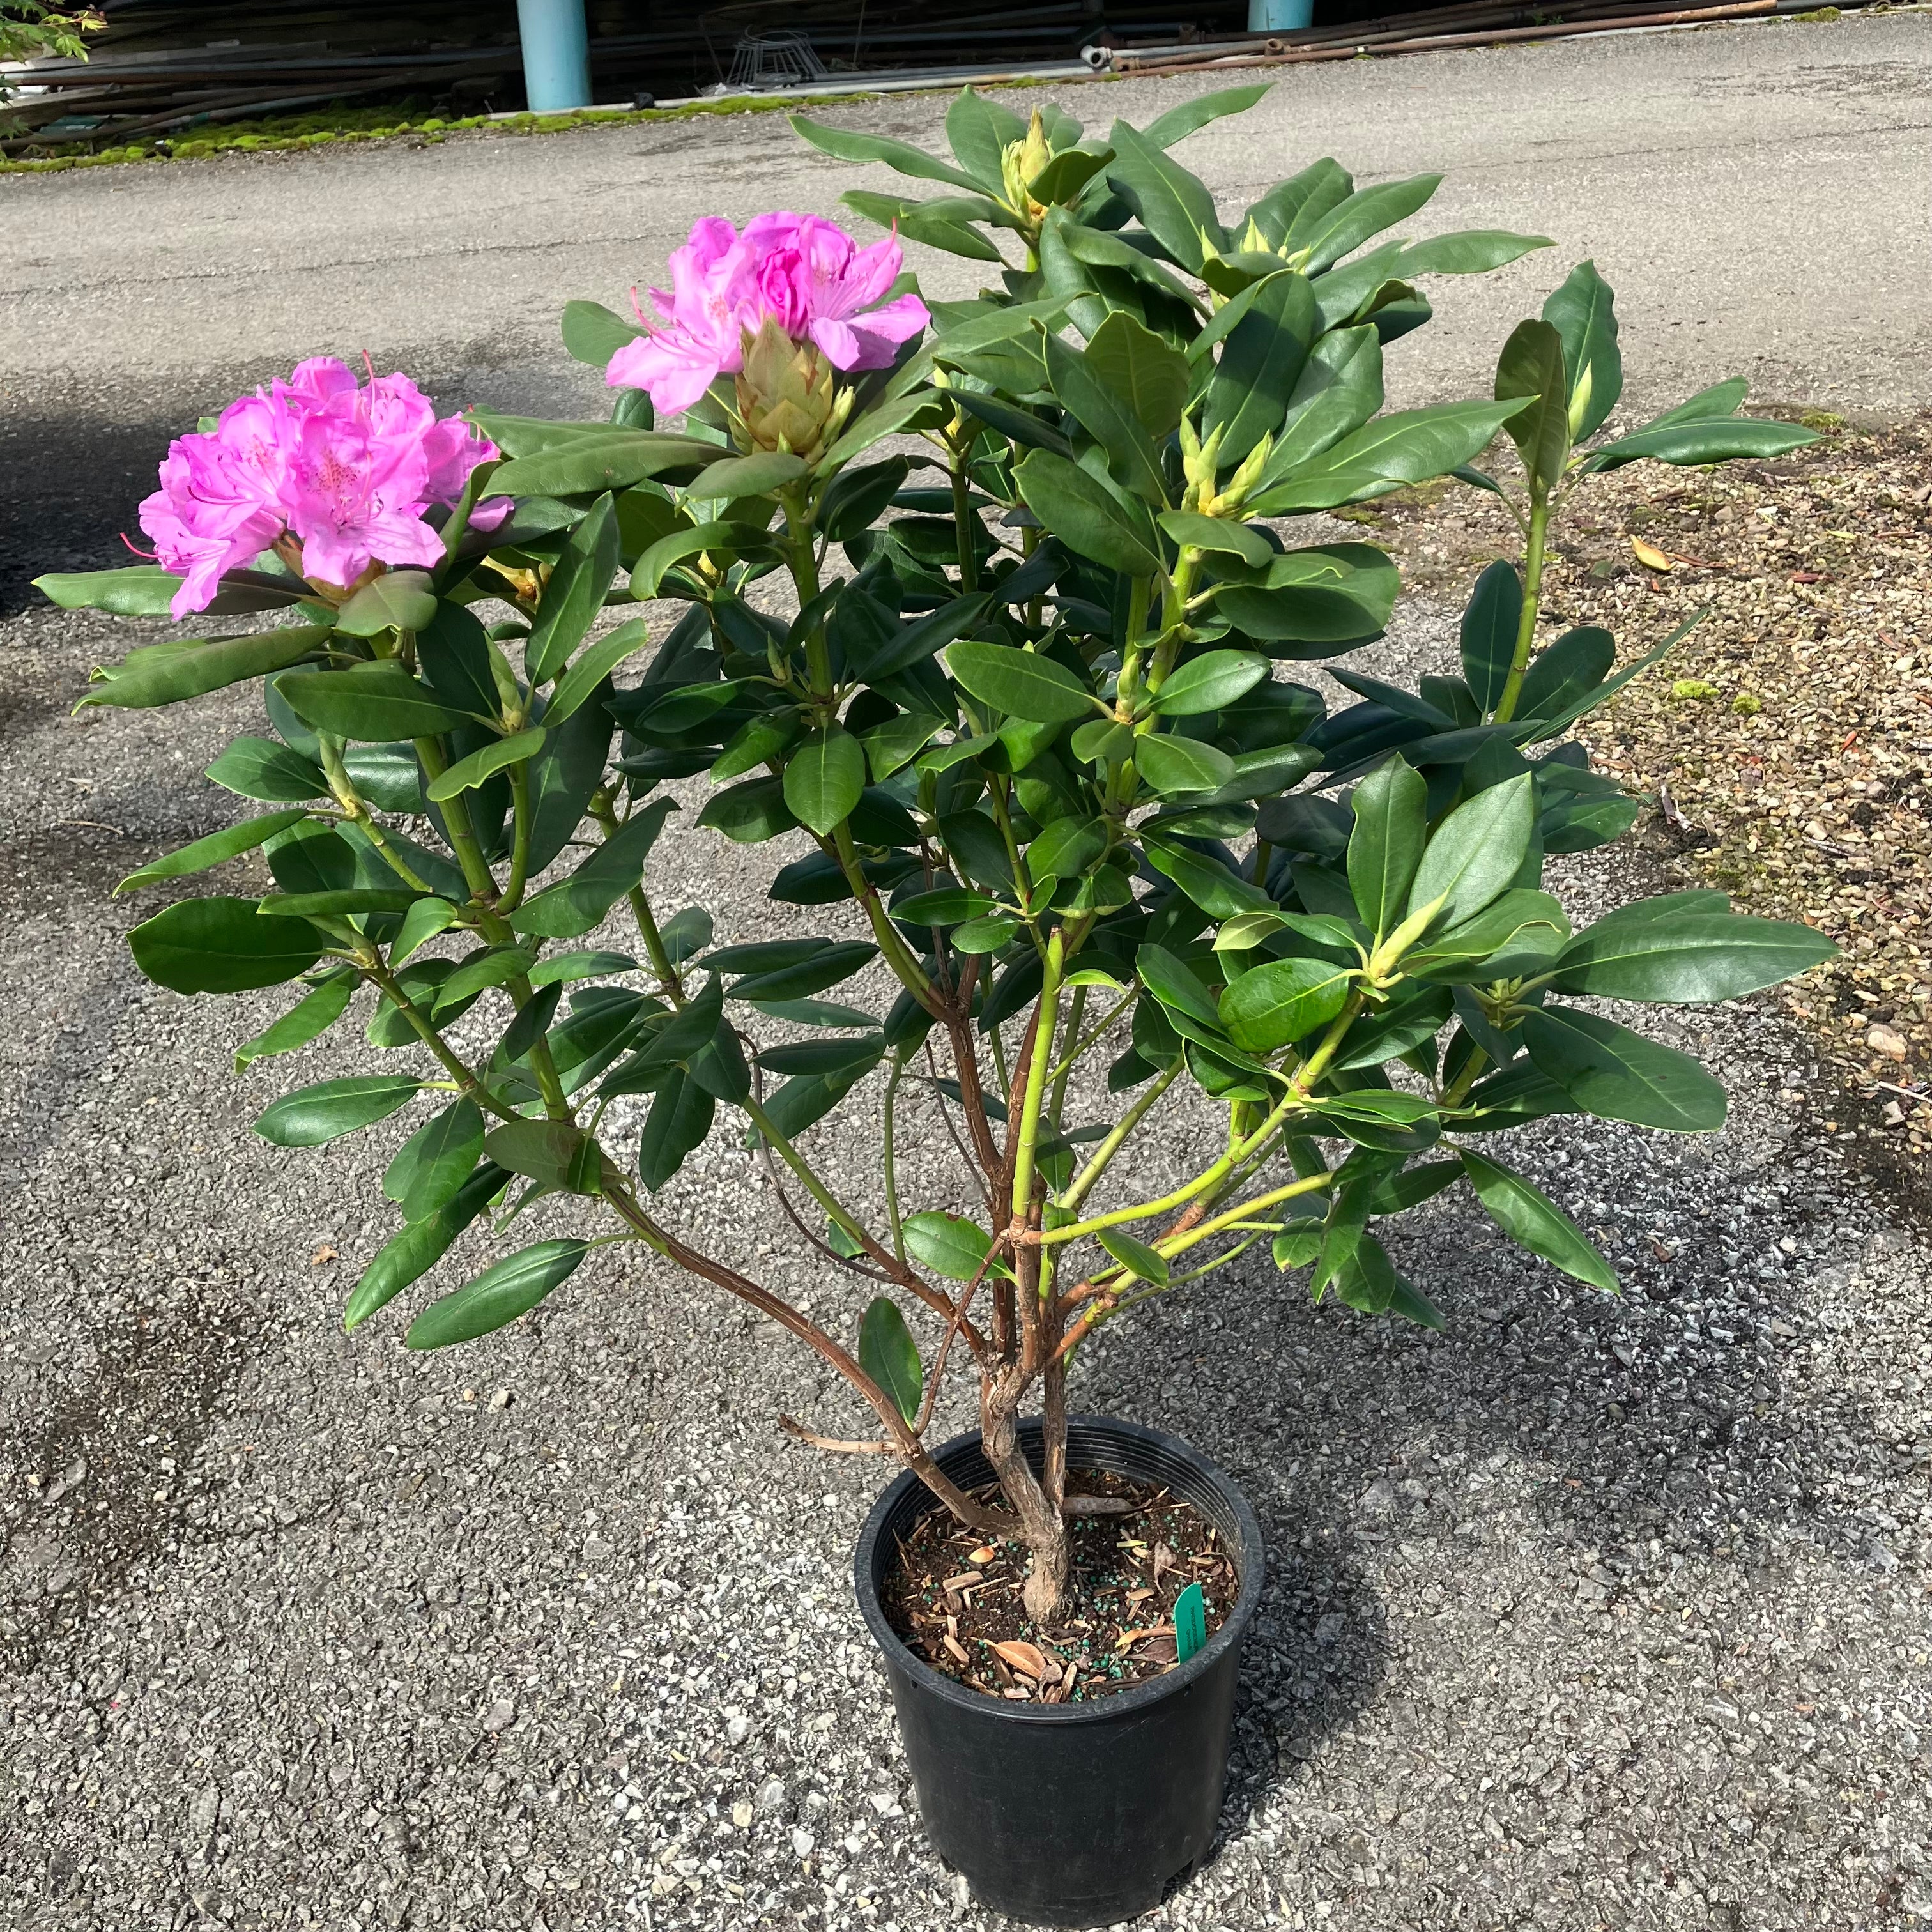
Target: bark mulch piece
[955,1599]
[1788,738]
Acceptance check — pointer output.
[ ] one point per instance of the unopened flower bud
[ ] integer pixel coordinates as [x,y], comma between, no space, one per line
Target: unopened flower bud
[787,397]
[1021,163]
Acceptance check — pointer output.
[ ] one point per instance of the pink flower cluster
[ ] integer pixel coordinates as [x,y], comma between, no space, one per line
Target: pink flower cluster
[817,281]
[345,470]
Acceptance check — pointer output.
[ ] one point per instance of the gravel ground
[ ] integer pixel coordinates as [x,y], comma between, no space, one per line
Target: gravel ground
[1584,1613]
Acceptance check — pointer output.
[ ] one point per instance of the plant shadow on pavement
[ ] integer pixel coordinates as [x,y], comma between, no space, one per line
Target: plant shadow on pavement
[1624,1434]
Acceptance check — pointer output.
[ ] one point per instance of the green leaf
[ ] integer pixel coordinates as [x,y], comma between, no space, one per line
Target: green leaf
[1476,851]
[333,1108]
[411,1254]
[1345,226]
[681,1115]
[1619,1075]
[492,968]
[423,920]
[1530,1218]
[345,902]
[375,703]
[167,674]
[574,594]
[888,1355]
[1282,1001]
[750,813]
[1210,683]
[762,473]
[821,1057]
[593,333]
[1531,367]
[398,600]
[1490,622]
[135,590]
[1685,959]
[1219,536]
[1571,668]
[218,945]
[1131,454]
[562,968]
[1019,682]
[1405,446]
[1391,807]
[947,906]
[436,1160]
[1583,314]
[306,1020]
[824,967]
[580,682]
[576,904]
[848,145]
[509,1288]
[1521,925]
[1086,515]
[1174,206]
[979,132]
[601,459]
[483,763]
[547,1152]
[1719,440]
[1144,370]
[1323,594]
[824,778]
[948,1244]
[259,768]
[1261,361]
[1176,765]
[1464,251]
[1178,122]
[1216,891]
[1135,1256]
[216,849]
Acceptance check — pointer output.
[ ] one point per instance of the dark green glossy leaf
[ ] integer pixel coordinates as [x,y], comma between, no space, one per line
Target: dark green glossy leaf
[308,1019]
[411,1254]
[1094,521]
[575,593]
[167,674]
[1490,622]
[1283,1000]
[1391,807]
[509,1288]
[824,778]
[221,945]
[1617,1075]
[1020,683]
[1476,851]
[1685,957]
[375,703]
[1582,313]
[436,1160]
[888,1355]
[333,1108]
[215,850]
[1529,1217]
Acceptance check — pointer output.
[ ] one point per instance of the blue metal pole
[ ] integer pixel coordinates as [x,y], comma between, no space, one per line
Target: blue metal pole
[557,54]
[1280,16]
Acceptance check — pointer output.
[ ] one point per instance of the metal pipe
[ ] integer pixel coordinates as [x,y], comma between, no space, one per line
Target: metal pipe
[557,55]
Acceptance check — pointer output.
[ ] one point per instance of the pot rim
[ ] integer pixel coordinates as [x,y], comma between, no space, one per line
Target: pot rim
[1122,1703]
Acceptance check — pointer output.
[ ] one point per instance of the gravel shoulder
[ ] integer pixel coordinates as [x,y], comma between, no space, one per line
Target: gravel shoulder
[1584,1613]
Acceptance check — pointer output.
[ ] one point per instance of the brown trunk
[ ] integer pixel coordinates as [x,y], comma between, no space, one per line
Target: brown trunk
[1041,1526]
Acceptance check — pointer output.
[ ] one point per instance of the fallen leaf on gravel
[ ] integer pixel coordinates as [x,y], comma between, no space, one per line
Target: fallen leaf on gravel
[1023,1656]
[1650,556]
[322,1256]
[984,1554]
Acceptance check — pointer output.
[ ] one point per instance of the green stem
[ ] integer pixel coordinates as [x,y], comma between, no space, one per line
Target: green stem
[1532,597]
[813,1186]
[1082,1184]
[1037,1063]
[519,847]
[887,1136]
[1075,1013]
[1264,855]
[1082,1046]
[424,1030]
[655,949]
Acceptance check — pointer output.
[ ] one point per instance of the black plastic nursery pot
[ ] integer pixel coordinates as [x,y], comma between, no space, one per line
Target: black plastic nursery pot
[1084,1813]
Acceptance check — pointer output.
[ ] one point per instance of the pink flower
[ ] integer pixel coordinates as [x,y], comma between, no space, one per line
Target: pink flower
[344,470]
[812,277]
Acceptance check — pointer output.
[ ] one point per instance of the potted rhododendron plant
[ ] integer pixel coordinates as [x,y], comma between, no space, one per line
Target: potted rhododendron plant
[991,621]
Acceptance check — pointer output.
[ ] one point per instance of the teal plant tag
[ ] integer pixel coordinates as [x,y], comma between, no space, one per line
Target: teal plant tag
[1190,1621]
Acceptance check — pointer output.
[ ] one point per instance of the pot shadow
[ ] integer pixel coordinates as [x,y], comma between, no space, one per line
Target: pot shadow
[1674,1422]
